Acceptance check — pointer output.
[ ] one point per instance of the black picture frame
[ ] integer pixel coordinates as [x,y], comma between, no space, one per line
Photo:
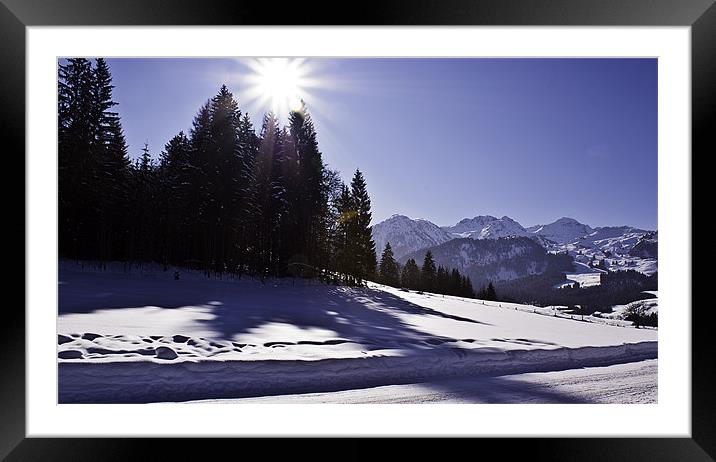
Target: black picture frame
[16,15]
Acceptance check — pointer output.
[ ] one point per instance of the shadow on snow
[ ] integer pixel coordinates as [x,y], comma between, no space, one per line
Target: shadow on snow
[360,315]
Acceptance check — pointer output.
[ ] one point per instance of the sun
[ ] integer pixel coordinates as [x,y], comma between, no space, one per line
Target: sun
[279,83]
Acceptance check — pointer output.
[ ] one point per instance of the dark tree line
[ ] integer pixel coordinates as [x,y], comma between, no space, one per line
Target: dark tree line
[615,288]
[222,198]
[429,277]
[93,163]
[488,292]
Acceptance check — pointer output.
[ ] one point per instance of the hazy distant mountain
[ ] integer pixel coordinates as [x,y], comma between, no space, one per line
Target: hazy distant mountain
[407,235]
[470,227]
[646,247]
[494,260]
[563,231]
[487,227]
[625,247]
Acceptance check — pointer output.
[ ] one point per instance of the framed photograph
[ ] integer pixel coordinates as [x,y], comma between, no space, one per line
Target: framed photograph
[421,220]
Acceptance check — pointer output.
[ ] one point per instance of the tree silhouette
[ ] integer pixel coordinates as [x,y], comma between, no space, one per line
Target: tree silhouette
[410,276]
[388,272]
[428,273]
[221,198]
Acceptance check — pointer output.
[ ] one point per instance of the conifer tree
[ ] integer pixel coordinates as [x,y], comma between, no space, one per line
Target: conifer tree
[78,198]
[247,150]
[388,273]
[428,272]
[197,188]
[112,173]
[311,197]
[221,198]
[442,281]
[174,215]
[468,290]
[93,163]
[223,173]
[362,240]
[292,236]
[142,203]
[488,292]
[102,103]
[491,293]
[455,282]
[345,216]
[268,194]
[115,179]
[410,276]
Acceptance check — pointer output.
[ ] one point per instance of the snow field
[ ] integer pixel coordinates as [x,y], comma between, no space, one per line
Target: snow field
[142,337]
[629,383]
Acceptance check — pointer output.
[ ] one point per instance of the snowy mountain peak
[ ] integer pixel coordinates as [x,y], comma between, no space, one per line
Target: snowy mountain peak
[407,235]
[563,230]
[507,219]
[470,225]
[504,227]
[478,219]
[567,220]
[486,227]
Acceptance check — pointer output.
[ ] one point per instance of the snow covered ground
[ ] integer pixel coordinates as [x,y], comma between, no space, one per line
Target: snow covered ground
[631,383]
[142,336]
[649,306]
[584,280]
[647,266]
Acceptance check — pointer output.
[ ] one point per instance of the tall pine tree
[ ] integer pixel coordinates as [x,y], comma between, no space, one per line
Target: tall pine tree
[344,233]
[363,247]
[410,276]
[174,215]
[112,167]
[222,198]
[268,194]
[428,273]
[93,163]
[311,190]
[78,200]
[388,272]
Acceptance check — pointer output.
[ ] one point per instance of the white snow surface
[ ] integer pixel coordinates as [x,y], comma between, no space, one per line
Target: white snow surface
[119,331]
[647,266]
[584,279]
[649,305]
[630,383]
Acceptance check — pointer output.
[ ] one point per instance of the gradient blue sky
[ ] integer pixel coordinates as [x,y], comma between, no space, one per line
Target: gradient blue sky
[445,139]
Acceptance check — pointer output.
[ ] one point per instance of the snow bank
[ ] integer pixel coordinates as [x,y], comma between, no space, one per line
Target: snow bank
[628,383]
[136,382]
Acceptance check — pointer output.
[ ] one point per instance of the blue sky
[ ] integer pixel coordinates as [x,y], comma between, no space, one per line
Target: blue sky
[445,139]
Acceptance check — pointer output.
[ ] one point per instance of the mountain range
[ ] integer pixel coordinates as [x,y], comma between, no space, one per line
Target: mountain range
[623,246]
[501,259]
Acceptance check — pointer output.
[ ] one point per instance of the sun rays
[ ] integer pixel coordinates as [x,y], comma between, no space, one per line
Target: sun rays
[279,84]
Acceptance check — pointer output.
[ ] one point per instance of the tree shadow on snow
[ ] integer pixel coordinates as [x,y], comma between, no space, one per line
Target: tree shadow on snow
[361,315]
[503,390]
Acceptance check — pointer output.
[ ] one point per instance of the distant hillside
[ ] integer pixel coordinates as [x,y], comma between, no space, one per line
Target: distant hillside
[646,247]
[620,247]
[407,235]
[487,227]
[501,259]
